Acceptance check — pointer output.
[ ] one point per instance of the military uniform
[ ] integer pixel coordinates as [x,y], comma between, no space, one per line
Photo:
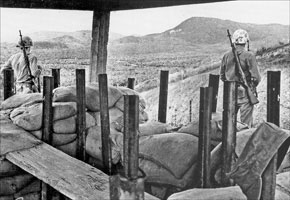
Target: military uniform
[23,81]
[252,74]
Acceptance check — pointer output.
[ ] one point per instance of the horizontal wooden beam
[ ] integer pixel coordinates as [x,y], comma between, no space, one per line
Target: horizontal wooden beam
[102,5]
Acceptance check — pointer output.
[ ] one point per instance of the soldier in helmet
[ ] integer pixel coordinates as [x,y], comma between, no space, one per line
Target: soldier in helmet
[24,83]
[249,66]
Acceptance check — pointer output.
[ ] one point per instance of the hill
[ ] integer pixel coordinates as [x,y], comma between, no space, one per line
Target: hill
[201,31]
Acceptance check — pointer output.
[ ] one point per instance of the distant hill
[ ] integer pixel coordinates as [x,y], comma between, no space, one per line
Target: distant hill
[80,38]
[197,31]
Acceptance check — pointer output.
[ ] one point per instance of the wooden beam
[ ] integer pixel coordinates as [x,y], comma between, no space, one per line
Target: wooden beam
[102,5]
[100,35]
[163,94]
[8,83]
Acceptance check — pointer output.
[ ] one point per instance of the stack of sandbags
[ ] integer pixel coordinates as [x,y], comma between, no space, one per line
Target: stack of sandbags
[15,183]
[216,128]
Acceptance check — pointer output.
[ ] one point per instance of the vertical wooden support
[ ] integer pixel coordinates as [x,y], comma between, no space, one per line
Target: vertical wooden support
[131,83]
[273,116]
[131,138]
[47,109]
[190,110]
[214,83]
[228,129]
[56,77]
[105,123]
[205,110]
[100,33]
[47,118]
[163,93]
[8,82]
[81,113]
[130,187]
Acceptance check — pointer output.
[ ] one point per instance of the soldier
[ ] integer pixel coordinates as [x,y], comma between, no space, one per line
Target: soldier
[249,66]
[24,82]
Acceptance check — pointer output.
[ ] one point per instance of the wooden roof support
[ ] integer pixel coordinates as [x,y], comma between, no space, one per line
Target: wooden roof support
[100,34]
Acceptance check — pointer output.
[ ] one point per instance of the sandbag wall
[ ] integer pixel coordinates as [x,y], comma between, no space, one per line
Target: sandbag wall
[25,110]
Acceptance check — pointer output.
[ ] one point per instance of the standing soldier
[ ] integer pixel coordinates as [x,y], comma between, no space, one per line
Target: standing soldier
[250,69]
[24,66]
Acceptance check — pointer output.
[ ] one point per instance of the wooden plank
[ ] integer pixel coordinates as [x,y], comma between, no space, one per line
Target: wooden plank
[100,35]
[73,178]
[14,138]
[8,82]
[163,94]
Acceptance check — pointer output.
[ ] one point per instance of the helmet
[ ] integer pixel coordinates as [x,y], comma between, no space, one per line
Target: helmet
[27,42]
[240,37]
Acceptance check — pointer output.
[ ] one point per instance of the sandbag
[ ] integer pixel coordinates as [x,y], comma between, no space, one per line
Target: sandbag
[57,139]
[29,196]
[68,125]
[5,114]
[94,143]
[216,128]
[65,94]
[127,91]
[70,148]
[20,99]
[11,185]
[154,128]
[63,110]
[226,193]
[28,118]
[282,186]
[8,169]
[175,152]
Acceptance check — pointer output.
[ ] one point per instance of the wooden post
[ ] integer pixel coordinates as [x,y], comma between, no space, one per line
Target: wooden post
[47,118]
[163,93]
[131,138]
[273,116]
[100,32]
[81,113]
[228,129]
[205,110]
[190,110]
[105,123]
[129,187]
[131,82]
[214,83]
[8,82]
[56,77]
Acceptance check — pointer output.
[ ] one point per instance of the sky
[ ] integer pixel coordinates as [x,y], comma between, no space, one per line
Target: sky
[141,21]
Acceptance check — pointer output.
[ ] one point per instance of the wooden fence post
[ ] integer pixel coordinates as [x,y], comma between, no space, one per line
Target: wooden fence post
[131,83]
[131,186]
[205,110]
[56,77]
[8,82]
[105,123]
[47,118]
[131,138]
[81,113]
[214,83]
[163,93]
[273,116]
[228,129]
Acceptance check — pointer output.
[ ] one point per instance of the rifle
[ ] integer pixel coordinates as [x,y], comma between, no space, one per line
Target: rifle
[27,64]
[252,97]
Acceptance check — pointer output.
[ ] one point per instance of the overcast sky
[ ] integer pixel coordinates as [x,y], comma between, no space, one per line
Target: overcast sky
[140,22]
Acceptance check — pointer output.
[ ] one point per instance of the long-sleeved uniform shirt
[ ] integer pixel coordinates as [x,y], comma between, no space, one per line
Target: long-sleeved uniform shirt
[17,63]
[248,65]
